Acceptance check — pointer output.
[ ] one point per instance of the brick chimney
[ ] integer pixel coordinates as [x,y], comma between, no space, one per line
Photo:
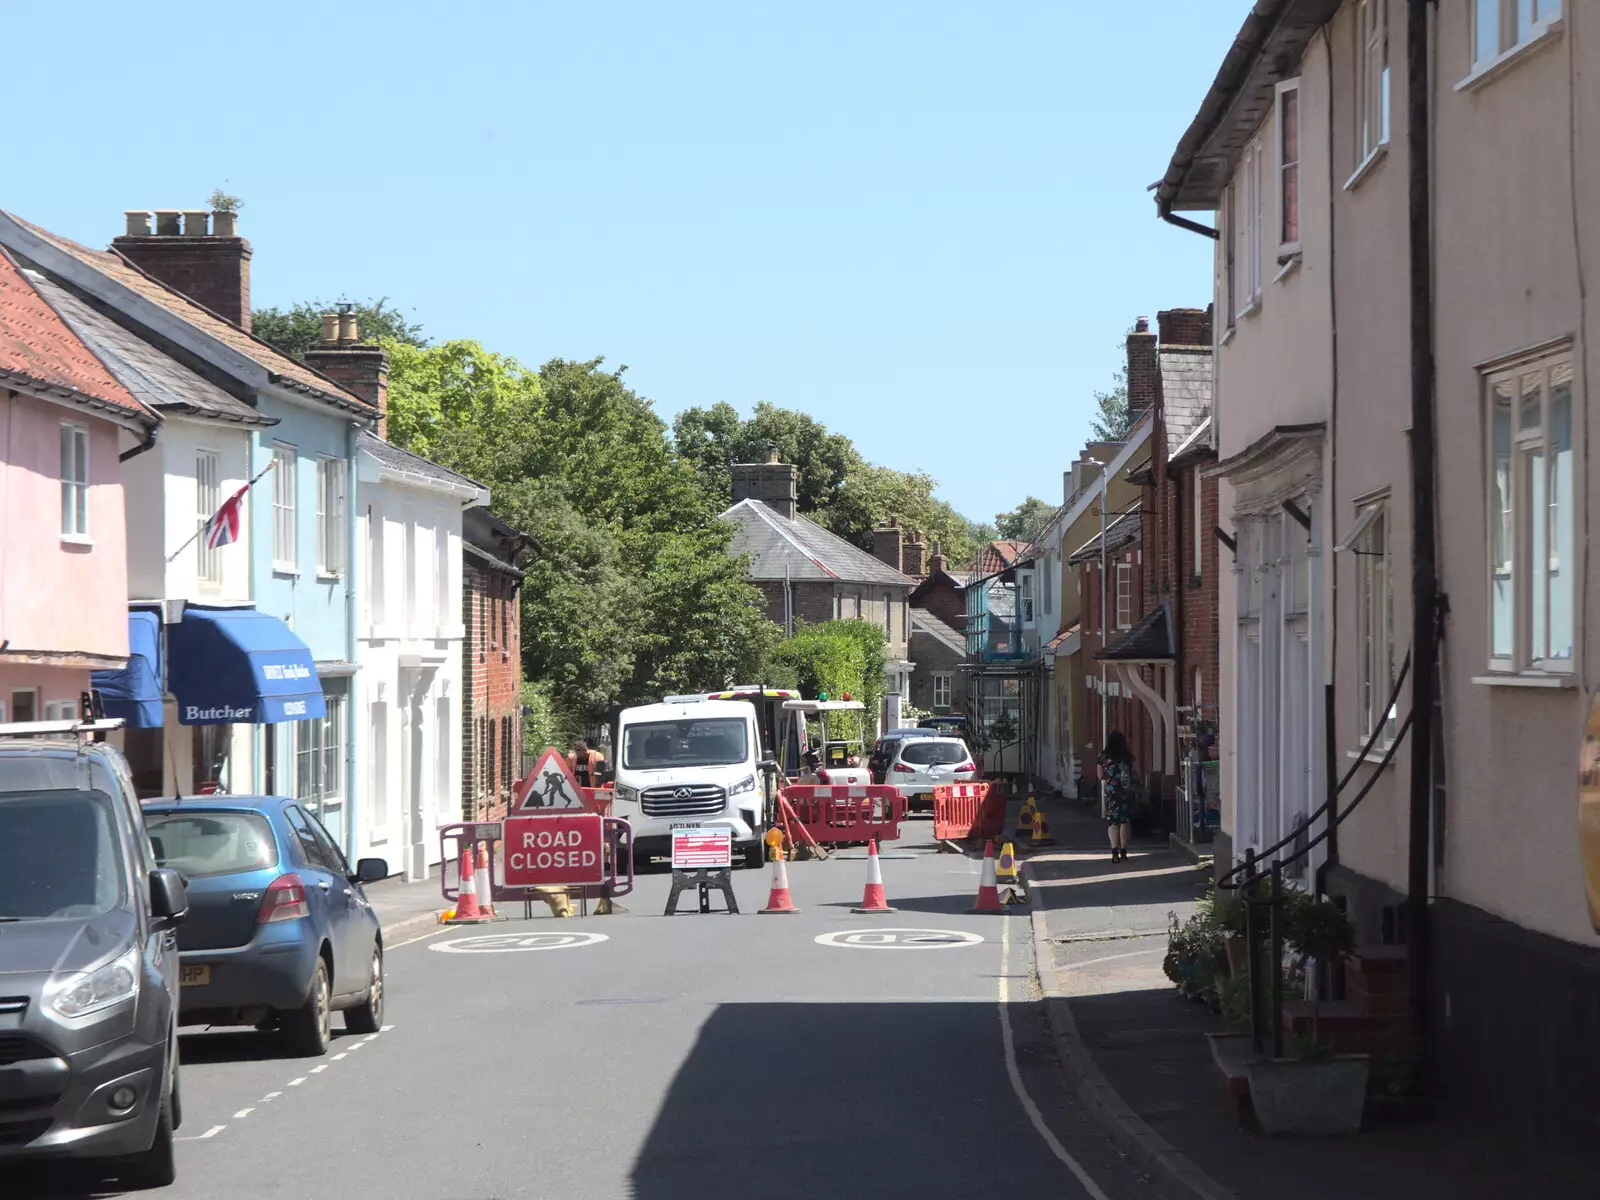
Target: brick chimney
[1185,327]
[210,266]
[936,560]
[361,370]
[773,483]
[1144,372]
[914,554]
[886,543]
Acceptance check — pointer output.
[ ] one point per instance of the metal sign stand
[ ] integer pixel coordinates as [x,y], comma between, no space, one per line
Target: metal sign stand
[720,878]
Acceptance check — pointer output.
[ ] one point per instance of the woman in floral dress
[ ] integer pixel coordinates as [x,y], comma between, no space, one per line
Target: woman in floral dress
[1116,792]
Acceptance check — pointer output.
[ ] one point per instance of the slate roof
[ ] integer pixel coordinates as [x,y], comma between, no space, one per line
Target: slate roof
[1185,391]
[413,466]
[1121,532]
[807,549]
[39,349]
[923,621]
[159,381]
[284,370]
[1148,641]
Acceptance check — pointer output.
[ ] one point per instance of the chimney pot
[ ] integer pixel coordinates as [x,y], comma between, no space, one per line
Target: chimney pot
[138,222]
[772,452]
[224,224]
[773,483]
[195,223]
[330,329]
[1142,325]
[167,222]
[349,334]
[213,271]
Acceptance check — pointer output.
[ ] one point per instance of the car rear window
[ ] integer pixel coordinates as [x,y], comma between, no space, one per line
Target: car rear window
[212,843]
[930,754]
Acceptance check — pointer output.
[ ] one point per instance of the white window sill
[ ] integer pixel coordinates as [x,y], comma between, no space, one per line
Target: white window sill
[1375,758]
[1368,165]
[1526,679]
[76,539]
[286,570]
[1250,310]
[1497,67]
[1227,335]
[329,576]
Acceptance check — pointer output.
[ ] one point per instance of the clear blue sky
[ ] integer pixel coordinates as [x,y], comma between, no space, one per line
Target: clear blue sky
[924,223]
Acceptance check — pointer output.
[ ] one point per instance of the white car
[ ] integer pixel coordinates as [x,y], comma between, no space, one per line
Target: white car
[921,764]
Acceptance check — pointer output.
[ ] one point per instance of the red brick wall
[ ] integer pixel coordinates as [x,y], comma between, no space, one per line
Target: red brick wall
[1184,326]
[1200,634]
[1144,372]
[491,680]
[943,599]
[212,271]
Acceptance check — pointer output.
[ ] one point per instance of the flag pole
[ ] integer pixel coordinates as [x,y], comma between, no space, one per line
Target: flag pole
[195,535]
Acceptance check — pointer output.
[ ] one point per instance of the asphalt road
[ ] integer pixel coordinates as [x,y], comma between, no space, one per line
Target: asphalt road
[668,1059]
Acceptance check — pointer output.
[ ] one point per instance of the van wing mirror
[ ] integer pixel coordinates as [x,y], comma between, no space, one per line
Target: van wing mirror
[169,898]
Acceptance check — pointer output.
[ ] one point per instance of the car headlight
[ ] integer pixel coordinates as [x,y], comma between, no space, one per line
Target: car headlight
[631,795]
[93,991]
[747,784]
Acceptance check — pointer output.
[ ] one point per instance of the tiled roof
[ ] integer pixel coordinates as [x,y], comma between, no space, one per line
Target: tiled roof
[923,621]
[159,381]
[288,371]
[1185,391]
[806,549]
[1056,642]
[1148,641]
[1121,532]
[412,465]
[998,555]
[37,347]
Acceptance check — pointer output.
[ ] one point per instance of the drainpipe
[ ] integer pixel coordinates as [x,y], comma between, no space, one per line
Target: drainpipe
[1424,565]
[351,806]
[1105,704]
[148,442]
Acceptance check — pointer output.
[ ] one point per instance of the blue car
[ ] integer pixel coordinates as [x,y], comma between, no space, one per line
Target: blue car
[279,933]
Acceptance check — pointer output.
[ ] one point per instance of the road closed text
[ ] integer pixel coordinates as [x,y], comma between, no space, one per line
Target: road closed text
[543,849]
[554,850]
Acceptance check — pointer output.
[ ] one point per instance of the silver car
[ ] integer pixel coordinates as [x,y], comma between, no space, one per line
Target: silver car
[921,764]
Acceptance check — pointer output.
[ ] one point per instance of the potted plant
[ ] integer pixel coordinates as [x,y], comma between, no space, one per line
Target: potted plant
[1313,1089]
[1194,955]
[1227,916]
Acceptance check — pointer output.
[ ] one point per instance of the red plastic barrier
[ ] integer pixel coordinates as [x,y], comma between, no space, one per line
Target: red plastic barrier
[991,821]
[847,813]
[959,810]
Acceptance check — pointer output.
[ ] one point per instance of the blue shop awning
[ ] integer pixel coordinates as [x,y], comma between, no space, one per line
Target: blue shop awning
[239,665]
[134,692]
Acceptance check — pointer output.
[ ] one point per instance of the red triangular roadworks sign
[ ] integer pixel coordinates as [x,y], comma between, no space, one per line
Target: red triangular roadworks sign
[551,784]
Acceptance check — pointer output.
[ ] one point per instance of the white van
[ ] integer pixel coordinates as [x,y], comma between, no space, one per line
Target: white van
[683,764]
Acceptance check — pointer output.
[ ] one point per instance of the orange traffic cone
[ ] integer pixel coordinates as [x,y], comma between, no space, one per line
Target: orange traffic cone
[483,883]
[872,899]
[467,898]
[988,891]
[778,899]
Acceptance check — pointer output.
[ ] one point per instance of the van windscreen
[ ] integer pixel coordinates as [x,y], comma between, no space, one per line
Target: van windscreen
[702,742]
[59,855]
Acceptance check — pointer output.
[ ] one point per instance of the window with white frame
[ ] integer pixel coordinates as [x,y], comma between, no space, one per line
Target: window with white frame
[888,616]
[1046,578]
[285,472]
[1529,486]
[1500,26]
[330,516]
[1368,540]
[1288,168]
[1246,233]
[74,480]
[441,575]
[376,576]
[61,710]
[1229,245]
[409,561]
[1025,591]
[378,772]
[941,690]
[207,499]
[319,756]
[1124,595]
[1372,76]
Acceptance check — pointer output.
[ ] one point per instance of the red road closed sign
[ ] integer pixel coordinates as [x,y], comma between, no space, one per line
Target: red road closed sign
[554,851]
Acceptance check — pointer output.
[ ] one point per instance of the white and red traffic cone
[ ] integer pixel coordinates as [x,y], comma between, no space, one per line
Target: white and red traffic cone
[872,898]
[483,883]
[778,898]
[988,890]
[467,896]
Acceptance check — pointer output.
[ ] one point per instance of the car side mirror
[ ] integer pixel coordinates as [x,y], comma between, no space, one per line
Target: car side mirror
[169,898]
[370,870]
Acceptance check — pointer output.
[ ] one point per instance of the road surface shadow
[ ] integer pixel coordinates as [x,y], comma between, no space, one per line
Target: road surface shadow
[239,1045]
[61,1181]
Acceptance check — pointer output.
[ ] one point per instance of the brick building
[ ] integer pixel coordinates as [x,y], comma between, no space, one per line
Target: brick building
[1159,652]
[491,669]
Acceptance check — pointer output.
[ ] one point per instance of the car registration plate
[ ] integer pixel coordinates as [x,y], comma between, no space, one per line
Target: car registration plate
[195,976]
[684,825]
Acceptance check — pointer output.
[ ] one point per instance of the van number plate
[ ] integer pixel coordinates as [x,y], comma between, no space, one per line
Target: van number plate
[195,976]
[684,825]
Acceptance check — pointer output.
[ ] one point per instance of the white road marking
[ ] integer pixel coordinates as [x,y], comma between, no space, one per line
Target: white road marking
[1035,1117]
[242,1114]
[210,1133]
[1089,962]
[420,937]
[386,1028]
[511,943]
[357,1045]
[270,1096]
[297,1082]
[319,1068]
[340,1055]
[897,939]
[370,1038]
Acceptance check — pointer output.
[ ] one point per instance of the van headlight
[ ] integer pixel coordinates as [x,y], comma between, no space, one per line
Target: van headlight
[624,792]
[747,784]
[93,991]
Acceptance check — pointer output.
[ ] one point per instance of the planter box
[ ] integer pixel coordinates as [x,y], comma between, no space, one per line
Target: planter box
[1311,1095]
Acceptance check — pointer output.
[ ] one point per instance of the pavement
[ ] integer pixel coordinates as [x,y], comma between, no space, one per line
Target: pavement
[639,1057]
[1136,1057]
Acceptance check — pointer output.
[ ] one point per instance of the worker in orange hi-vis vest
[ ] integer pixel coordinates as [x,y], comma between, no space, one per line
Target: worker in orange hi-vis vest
[585,764]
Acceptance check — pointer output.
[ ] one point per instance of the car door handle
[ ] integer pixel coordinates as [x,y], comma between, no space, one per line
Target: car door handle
[323,884]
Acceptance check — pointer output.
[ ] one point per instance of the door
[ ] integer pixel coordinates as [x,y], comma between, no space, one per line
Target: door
[328,890]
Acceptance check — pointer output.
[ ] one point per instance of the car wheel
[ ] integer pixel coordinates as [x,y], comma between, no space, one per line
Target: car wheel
[309,1028]
[367,1017]
[157,1167]
[755,856]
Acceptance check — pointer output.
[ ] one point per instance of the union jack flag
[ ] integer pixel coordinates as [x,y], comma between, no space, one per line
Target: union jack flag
[223,526]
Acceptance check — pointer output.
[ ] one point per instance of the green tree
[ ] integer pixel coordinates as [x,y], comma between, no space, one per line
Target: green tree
[836,657]
[299,328]
[714,438]
[1111,419]
[871,495]
[1025,522]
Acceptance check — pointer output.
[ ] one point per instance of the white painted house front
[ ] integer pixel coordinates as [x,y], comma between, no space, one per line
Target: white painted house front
[408,645]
